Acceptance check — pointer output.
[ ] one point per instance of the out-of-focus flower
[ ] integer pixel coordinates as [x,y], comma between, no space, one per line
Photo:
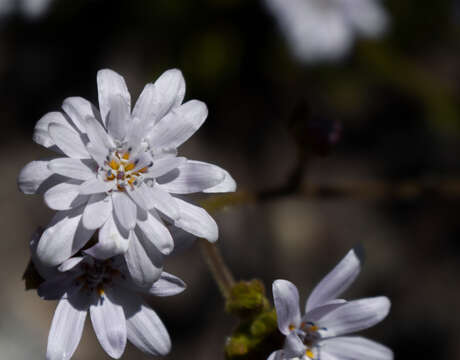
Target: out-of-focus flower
[29,8]
[318,334]
[117,311]
[118,172]
[324,30]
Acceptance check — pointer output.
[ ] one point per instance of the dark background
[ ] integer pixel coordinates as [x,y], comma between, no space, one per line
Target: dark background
[398,103]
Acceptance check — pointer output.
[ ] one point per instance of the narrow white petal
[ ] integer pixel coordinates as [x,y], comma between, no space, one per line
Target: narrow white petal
[111,241]
[125,210]
[355,348]
[118,118]
[67,328]
[355,315]
[109,85]
[227,185]
[178,125]
[72,168]
[192,177]
[41,135]
[196,221]
[109,324]
[294,346]
[137,195]
[146,107]
[167,285]
[63,237]
[95,186]
[318,312]
[99,141]
[165,164]
[155,231]
[64,196]
[144,261]
[78,109]
[145,329]
[335,282]
[167,93]
[68,140]
[70,263]
[97,211]
[33,175]
[286,298]
[163,202]
[276,355]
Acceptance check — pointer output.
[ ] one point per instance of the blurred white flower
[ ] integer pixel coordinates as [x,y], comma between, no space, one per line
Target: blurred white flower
[29,8]
[119,172]
[318,334]
[116,308]
[324,30]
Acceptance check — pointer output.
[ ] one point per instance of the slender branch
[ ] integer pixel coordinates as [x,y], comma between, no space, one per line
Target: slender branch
[217,267]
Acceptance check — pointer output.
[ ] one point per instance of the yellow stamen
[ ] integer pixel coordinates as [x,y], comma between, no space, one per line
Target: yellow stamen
[100,290]
[291,327]
[131,180]
[126,156]
[114,164]
[129,167]
[143,170]
[111,177]
[314,328]
[310,354]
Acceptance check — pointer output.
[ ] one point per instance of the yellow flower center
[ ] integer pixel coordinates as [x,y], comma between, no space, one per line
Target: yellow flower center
[121,169]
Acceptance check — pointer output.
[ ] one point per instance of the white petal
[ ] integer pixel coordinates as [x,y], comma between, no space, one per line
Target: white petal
[286,298]
[227,185]
[318,312]
[111,241]
[72,168]
[41,135]
[68,140]
[165,164]
[276,355]
[196,221]
[178,125]
[355,315]
[70,263]
[167,285]
[293,346]
[109,324]
[145,329]
[33,175]
[143,260]
[125,210]
[335,282]
[99,141]
[155,231]
[137,196]
[162,201]
[109,85]
[97,211]
[355,348]
[67,328]
[191,177]
[95,186]
[158,99]
[78,109]
[64,237]
[64,196]
[118,118]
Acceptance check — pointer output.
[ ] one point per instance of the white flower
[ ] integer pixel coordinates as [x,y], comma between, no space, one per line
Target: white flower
[318,334]
[114,302]
[119,172]
[319,30]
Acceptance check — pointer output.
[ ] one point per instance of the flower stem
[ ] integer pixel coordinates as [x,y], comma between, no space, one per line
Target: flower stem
[220,271]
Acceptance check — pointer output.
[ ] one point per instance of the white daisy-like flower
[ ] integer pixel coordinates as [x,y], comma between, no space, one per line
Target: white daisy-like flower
[115,305]
[119,172]
[319,333]
[324,30]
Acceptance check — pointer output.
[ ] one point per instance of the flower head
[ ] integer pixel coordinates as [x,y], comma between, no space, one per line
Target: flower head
[319,30]
[105,289]
[318,333]
[118,172]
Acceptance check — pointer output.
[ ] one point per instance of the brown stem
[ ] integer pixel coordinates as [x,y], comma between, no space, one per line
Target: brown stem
[217,267]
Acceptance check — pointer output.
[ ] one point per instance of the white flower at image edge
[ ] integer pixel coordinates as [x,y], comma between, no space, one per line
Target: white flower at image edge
[117,310]
[319,333]
[120,173]
[324,30]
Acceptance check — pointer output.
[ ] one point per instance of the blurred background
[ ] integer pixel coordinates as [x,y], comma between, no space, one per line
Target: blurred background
[391,183]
